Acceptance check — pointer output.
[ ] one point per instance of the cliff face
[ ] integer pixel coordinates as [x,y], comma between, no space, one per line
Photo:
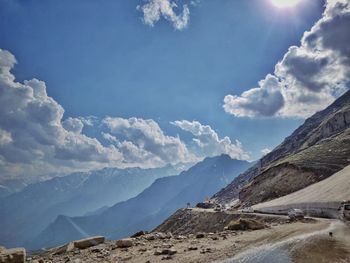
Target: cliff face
[314,151]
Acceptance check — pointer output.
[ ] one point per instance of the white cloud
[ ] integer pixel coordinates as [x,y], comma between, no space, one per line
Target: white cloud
[265,151]
[309,77]
[73,124]
[134,154]
[263,101]
[208,141]
[34,138]
[5,137]
[37,143]
[153,10]
[146,140]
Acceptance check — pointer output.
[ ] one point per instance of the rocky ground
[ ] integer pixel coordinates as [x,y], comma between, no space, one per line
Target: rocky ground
[157,246]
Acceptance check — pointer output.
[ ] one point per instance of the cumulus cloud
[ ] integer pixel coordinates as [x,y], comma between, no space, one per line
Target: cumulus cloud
[134,154]
[34,138]
[309,77]
[154,10]
[208,141]
[266,100]
[36,141]
[73,124]
[144,140]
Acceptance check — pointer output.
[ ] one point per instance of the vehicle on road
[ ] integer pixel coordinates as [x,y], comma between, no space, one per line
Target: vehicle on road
[345,210]
[218,208]
[295,213]
[246,210]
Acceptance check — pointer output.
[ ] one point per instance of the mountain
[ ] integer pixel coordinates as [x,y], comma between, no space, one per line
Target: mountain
[10,186]
[317,149]
[28,212]
[150,207]
[324,196]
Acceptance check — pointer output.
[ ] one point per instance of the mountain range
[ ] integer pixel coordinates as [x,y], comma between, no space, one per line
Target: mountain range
[30,210]
[149,208]
[10,186]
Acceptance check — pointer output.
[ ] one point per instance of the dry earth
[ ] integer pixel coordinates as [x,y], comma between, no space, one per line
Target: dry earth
[208,247]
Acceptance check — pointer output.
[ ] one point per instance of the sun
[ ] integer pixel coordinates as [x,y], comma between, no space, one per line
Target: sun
[284,3]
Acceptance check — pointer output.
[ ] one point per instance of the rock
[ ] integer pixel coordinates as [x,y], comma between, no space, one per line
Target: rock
[206,250]
[88,242]
[161,235]
[78,244]
[2,248]
[245,224]
[124,243]
[126,258]
[169,251]
[13,255]
[167,257]
[192,248]
[59,250]
[150,237]
[167,245]
[200,235]
[138,234]
[165,252]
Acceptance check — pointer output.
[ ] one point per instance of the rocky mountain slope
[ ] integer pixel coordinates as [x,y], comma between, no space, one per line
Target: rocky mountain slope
[317,149]
[212,245]
[149,208]
[330,192]
[29,211]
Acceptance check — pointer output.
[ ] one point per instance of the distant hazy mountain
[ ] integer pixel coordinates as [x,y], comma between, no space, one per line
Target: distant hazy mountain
[26,213]
[317,149]
[10,186]
[149,208]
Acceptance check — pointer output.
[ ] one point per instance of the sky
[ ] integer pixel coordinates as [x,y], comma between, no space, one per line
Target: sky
[152,82]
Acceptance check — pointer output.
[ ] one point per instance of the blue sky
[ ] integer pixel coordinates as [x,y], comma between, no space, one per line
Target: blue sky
[101,59]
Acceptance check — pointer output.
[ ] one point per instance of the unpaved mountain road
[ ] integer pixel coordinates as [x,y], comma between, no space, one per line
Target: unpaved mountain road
[314,247]
[322,199]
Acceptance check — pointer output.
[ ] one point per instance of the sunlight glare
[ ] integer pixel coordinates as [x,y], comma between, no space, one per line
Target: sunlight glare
[284,3]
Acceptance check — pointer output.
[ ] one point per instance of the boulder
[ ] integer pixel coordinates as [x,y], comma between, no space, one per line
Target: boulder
[13,255]
[161,235]
[245,224]
[124,243]
[200,235]
[140,233]
[88,242]
[150,237]
[78,244]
